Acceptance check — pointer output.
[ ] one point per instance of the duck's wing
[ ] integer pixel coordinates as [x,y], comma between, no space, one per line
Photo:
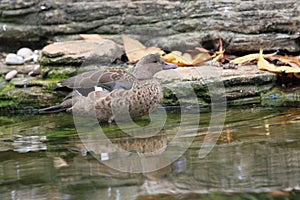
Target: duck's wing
[108,79]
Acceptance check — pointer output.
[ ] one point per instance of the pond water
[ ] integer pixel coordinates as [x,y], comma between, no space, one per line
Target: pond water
[257,156]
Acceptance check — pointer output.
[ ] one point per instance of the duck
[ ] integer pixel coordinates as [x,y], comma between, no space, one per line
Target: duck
[114,93]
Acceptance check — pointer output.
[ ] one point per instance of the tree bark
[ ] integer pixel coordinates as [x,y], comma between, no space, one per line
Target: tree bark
[244,25]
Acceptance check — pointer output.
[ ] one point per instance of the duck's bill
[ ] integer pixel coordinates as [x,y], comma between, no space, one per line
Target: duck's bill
[170,66]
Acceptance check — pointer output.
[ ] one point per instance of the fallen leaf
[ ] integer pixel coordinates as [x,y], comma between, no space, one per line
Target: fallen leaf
[292,61]
[219,56]
[93,37]
[186,59]
[201,57]
[249,58]
[136,50]
[263,64]
[177,58]
[202,50]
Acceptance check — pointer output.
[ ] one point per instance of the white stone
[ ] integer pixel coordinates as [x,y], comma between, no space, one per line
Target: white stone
[13,59]
[25,52]
[35,57]
[10,75]
[35,71]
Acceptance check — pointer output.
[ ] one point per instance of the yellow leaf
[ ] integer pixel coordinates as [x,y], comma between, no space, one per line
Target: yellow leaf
[177,58]
[136,50]
[249,58]
[92,37]
[186,59]
[201,57]
[292,61]
[263,64]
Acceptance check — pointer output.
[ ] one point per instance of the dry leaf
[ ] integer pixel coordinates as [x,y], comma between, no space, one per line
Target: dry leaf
[249,58]
[201,57]
[219,56]
[136,50]
[263,64]
[92,37]
[202,50]
[177,58]
[292,61]
[186,59]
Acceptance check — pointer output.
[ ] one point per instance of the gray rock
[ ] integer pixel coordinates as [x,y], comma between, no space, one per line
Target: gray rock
[209,81]
[243,25]
[80,52]
[14,59]
[10,75]
[21,82]
[25,52]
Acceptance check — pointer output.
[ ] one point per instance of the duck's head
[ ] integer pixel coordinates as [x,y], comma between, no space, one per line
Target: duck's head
[150,65]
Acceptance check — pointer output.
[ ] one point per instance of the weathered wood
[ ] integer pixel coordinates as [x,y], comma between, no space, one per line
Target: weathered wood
[244,25]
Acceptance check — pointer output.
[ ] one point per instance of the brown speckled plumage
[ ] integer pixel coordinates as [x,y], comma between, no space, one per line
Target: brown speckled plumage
[121,91]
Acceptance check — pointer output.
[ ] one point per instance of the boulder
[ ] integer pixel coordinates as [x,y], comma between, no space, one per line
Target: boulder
[75,53]
[244,25]
[240,86]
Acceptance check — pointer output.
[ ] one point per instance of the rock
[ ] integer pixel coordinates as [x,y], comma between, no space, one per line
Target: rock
[35,71]
[252,24]
[3,84]
[25,98]
[75,53]
[36,54]
[14,59]
[24,69]
[21,82]
[10,75]
[4,69]
[235,84]
[25,52]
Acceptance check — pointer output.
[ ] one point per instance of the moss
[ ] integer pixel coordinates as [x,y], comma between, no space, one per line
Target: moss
[6,87]
[58,73]
[43,83]
[63,61]
[201,91]
[8,104]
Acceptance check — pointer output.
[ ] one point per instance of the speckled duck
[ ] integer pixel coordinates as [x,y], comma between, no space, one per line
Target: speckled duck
[137,92]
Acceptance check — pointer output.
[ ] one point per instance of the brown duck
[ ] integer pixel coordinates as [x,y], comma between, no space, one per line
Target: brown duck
[122,93]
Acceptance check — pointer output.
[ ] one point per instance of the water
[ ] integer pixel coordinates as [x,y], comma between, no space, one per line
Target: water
[257,156]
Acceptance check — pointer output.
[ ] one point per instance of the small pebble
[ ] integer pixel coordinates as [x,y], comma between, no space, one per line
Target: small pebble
[33,57]
[14,59]
[25,52]
[35,71]
[36,55]
[10,75]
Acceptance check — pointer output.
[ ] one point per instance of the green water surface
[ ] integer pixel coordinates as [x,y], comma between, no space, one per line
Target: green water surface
[257,156]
